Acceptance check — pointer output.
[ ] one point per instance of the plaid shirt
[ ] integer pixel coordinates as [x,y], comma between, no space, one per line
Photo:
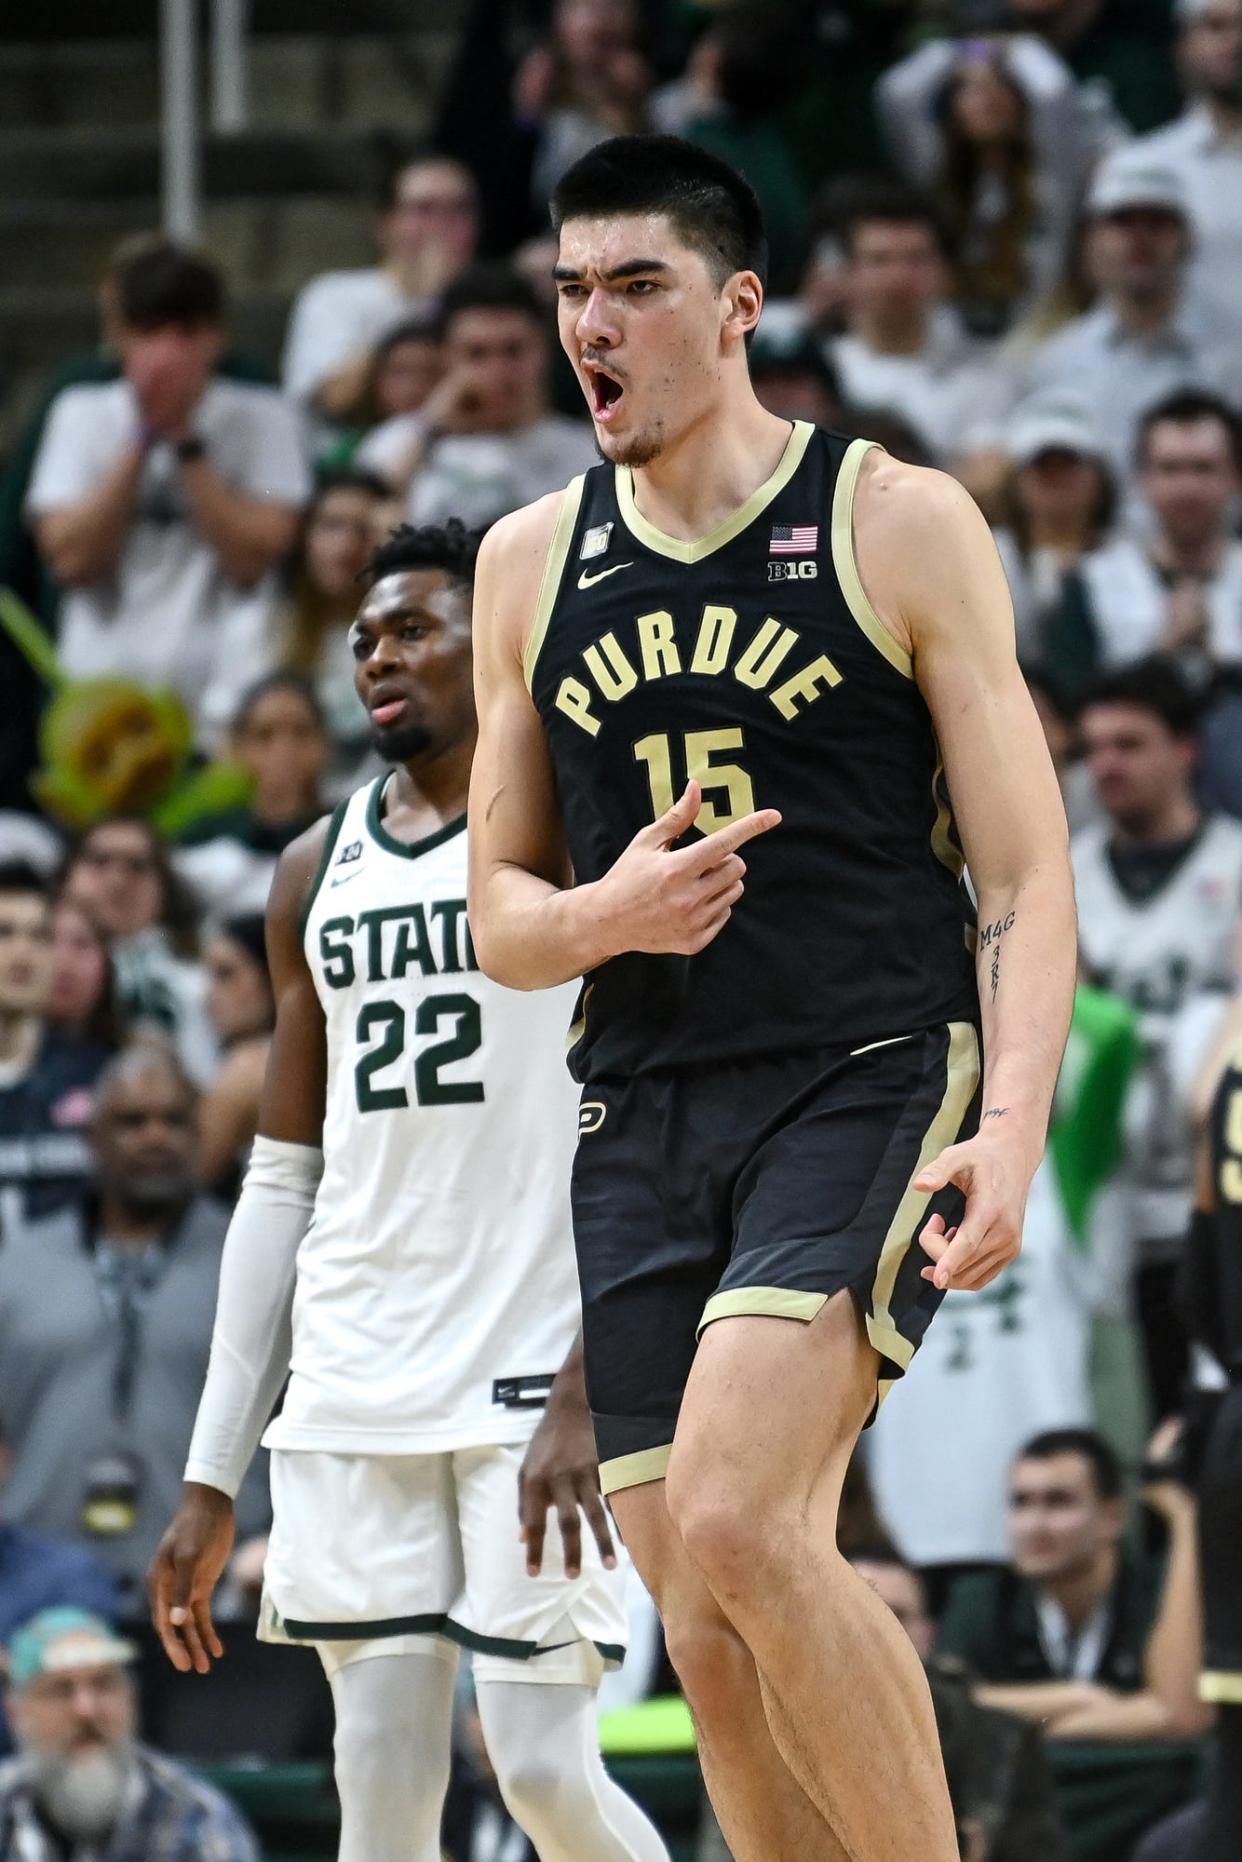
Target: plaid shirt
[171,1816]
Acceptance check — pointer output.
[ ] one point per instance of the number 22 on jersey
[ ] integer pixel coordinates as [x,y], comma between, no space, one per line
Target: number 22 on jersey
[381,1026]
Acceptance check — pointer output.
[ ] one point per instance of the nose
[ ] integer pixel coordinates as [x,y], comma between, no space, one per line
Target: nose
[383,655]
[596,325]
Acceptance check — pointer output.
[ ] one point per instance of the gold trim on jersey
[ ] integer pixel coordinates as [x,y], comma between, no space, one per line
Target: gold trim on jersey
[960,1088]
[762,1303]
[649,1464]
[553,570]
[856,597]
[942,844]
[676,548]
[1222,1687]
[578,1028]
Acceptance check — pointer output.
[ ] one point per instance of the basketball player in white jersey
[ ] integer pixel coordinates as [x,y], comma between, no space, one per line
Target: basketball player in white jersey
[401,1252]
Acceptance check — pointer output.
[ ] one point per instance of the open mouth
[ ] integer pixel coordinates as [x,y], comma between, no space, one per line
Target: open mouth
[606,392]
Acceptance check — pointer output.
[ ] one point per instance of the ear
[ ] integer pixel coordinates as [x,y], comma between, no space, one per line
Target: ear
[741,302]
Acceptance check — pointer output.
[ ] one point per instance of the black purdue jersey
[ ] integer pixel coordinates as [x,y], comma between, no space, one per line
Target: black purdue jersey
[751,661]
[1215,1263]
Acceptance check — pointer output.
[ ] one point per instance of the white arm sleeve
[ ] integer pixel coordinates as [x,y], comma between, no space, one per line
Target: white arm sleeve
[253,1336]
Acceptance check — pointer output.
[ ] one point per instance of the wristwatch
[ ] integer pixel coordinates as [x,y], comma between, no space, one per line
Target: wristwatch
[190,449]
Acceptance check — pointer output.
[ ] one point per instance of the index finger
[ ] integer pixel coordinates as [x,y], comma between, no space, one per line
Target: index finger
[714,848]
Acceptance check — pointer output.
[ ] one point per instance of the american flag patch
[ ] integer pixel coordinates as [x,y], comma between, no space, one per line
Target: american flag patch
[794,539]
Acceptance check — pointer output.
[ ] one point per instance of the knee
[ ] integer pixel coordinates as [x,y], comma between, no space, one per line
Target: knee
[729,1536]
[534,1785]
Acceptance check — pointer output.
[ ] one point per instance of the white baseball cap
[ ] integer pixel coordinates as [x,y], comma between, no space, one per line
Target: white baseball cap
[1052,422]
[1131,180]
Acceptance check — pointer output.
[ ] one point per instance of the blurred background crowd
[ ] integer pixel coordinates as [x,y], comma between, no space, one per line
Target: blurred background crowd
[1003,240]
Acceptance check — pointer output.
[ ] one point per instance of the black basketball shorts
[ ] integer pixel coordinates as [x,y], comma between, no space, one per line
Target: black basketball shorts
[1220,1535]
[757,1187]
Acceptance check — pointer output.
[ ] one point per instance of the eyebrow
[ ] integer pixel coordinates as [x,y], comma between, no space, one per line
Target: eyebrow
[567,274]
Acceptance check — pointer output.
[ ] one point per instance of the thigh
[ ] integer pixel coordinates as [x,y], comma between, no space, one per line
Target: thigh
[652,1238]
[825,1204]
[363,1547]
[544,1628]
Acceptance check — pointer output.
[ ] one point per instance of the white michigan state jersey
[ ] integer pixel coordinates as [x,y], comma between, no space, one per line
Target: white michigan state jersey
[1159,954]
[436,1289]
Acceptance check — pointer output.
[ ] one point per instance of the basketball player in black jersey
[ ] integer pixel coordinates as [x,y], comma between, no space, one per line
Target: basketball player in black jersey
[1214,1277]
[744,655]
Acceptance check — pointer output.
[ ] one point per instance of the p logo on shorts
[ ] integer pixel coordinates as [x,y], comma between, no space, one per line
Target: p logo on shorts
[591,1115]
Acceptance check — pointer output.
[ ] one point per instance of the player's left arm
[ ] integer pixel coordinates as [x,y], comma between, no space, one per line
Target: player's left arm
[928,562]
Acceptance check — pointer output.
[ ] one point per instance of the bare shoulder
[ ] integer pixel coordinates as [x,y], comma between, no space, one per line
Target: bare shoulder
[293,883]
[512,560]
[895,501]
[924,551]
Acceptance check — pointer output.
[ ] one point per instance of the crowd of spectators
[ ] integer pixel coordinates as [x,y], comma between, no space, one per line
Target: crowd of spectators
[1003,238]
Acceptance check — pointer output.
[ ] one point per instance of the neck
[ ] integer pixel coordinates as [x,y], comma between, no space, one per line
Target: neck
[1145,314]
[20,1036]
[274,810]
[1189,554]
[121,1222]
[431,791]
[712,468]
[1174,820]
[1067,533]
[891,335]
[1081,1592]
[1226,114]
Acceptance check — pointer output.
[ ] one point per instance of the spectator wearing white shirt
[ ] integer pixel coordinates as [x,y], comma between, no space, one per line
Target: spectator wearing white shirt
[485,441]
[428,229]
[163,501]
[1176,586]
[1147,336]
[1203,147]
[903,349]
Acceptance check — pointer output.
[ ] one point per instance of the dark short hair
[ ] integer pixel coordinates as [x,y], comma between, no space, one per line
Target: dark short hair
[164,284]
[1156,684]
[712,208]
[1103,1460]
[1183,408]
[449,546]
[282,680]
[491,287]
[348,478]
[398,163]
[803,358]
[873,200]
[20,876]
[413,330]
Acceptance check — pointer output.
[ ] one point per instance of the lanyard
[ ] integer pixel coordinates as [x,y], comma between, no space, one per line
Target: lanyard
[1070,1657]
[127,1279]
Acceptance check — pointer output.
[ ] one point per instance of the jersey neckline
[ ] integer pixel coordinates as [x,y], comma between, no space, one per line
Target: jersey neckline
[681,550]
[405,850]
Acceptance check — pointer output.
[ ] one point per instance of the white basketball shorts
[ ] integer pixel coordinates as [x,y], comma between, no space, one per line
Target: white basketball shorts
[372,1553]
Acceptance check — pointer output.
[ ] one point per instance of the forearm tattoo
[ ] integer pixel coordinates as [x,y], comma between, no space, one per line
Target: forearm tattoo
[992,935]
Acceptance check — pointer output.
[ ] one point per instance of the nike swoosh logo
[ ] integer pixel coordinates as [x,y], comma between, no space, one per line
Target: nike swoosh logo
[344,879]
[589,581]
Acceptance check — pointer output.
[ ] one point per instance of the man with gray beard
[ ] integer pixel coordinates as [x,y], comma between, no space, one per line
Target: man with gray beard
[82,1789]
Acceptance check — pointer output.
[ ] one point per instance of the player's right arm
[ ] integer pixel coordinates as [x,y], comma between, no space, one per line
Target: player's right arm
[532,927]
[252,1338]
